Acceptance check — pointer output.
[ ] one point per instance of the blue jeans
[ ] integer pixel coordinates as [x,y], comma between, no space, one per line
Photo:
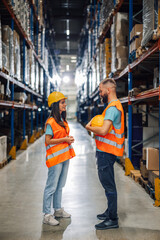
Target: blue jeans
[105,162]
[57,176]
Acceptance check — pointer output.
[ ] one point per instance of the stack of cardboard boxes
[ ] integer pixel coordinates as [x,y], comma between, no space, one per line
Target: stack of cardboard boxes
[119,44]
[135,38]
[150,164]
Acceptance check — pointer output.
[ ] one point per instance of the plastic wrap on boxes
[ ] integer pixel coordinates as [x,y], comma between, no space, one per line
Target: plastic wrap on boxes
[46,58]
[16,54]
[150,20]
[11,56]
[41,81]
[26,66]
[6,32]
[122,26]
[37,77]
[33,73]
[106,9]
[113,46]
[5,56]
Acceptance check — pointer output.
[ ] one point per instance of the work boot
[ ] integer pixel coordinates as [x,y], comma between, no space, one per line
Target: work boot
[62,213]
[50,220]
[107,224]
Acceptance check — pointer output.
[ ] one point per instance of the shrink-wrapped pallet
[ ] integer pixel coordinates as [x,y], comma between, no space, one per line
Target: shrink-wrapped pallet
[7,47]
[16,54]
[119,42]
[41,80]
[150,20]
[113,46]
[37,77]
[106,9]
[33,69]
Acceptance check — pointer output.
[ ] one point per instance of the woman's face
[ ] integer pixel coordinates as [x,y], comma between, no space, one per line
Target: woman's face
[62,105]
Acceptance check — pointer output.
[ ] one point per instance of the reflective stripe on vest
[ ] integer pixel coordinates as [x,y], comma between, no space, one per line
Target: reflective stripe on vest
[112,143]
[58,152]
[116,134]
[49,146]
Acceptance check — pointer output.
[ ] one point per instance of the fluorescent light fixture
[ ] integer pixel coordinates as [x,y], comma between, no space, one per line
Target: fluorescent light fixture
[66,79]
[73,60]
[67,67]
[73,57]
[67,32]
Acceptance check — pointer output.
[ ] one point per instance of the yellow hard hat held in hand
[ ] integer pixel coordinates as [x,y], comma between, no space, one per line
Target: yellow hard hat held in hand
[97,121]
[55,97]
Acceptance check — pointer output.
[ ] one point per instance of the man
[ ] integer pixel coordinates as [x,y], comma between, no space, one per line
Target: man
[110,144]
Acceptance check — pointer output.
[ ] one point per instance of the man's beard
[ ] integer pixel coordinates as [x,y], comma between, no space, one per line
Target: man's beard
[104,99]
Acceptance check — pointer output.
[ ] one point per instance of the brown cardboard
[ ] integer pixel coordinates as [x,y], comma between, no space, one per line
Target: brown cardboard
[152,175]
[152,159]
[143,170]
[144,154]
[137,29]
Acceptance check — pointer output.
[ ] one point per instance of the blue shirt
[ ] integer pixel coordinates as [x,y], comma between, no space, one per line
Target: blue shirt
[49,130]
[114,115]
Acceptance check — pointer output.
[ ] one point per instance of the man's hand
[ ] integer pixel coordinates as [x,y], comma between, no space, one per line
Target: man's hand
[88,125]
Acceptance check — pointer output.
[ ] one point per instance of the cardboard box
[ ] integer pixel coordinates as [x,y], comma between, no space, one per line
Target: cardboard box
[151,155]
[143,169]
[122,52]
[137,29]
[152,175]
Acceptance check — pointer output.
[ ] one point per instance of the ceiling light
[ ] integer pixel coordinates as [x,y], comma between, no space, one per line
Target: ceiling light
[73,57]
[67,32]
[73,60]
[66,79]
[67,67]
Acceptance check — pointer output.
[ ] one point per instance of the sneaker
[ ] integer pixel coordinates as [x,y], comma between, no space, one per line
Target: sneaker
[50,220]
[107,224]
[62,213]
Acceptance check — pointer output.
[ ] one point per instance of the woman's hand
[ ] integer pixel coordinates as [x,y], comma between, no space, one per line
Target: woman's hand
[69,139]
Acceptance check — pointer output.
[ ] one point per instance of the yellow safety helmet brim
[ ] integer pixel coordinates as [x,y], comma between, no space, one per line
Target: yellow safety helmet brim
[55,97]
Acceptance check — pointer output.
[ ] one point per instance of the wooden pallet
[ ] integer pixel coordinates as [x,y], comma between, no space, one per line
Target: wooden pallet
[135,175]
[3,163]
[140,51]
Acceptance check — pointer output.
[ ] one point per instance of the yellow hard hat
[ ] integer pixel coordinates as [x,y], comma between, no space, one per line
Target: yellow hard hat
[55,97]
[97,121]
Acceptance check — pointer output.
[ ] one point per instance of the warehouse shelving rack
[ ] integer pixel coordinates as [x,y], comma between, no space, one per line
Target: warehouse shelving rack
[40,100]
[150,96]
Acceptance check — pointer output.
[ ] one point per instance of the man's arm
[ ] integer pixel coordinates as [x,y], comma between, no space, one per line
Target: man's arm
[100,130]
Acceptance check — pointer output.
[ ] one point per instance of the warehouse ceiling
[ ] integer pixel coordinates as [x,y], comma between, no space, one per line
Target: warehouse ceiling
[64,21]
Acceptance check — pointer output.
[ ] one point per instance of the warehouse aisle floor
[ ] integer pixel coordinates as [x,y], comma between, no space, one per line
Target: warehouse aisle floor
[21,191]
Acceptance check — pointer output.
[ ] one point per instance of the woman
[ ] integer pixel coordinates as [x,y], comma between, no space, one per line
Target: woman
[58,152]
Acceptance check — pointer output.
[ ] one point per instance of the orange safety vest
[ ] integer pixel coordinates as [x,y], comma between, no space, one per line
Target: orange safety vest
[57,153]
[112,142]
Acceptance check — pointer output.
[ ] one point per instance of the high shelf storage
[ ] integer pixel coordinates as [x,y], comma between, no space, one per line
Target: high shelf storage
[27,73]
[123,43]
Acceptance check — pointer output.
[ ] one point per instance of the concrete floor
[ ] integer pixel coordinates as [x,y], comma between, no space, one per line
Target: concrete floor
[21,191]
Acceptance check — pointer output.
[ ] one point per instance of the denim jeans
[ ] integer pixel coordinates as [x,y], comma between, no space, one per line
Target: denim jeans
[105,162]
[56,180]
